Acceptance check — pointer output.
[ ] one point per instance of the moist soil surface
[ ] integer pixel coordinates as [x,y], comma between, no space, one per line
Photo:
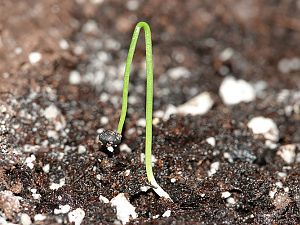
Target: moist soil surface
[61,69]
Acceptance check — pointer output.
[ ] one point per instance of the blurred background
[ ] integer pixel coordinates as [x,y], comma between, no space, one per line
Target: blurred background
[207,40]
[79,48]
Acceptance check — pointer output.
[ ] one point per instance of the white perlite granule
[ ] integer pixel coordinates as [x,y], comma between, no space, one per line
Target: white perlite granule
[76,216]
[198,105]
[211,141]
[233,91]
[124,209]
[25,219]
[178,72]
[81,149]
[125,148]
[39,217]
[264,126]
[55,186]
[29,161]
[51,112]
[74,77]
[225,194]
[63,209]
[213,168]
[287,153]
[167,213]
[34,57]
[103,199]
[46,168]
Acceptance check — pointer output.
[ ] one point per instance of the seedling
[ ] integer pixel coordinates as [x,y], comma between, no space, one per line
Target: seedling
[112,136]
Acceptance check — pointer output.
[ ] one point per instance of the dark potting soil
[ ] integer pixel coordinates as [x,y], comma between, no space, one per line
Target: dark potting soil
[55,101]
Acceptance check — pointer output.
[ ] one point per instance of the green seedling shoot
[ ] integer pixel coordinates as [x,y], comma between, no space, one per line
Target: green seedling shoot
[149,100]
[111,138]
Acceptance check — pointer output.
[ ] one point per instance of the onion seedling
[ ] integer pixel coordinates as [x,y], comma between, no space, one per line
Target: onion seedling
[115,139]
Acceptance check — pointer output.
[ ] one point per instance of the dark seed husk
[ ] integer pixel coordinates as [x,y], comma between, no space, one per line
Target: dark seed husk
[109,138]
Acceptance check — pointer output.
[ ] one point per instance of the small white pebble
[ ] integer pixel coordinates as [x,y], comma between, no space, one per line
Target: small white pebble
[225,194]
[279,184]
[158,114]
[63,44]
[78,49]
[18,50]
[132,5]
[74,77]
[198,105]
[60,155]
[25,219]
[171,109]
[287,65]
[227,156]
[125,148]
[125,210]
[103,199]
[34,194]
[81,149]
[270,144]
[63,209]
[55,186]
[155,217]
[282,174]
[264,126]
[287,153]
[144,188]
[230,201]
[127,173]
[39,217]
[90,26]
[226,54]
[51,112]
[272,193]
[100,130]
[29,161]
[46,168]
[52,134]
[178,72]
[234,91]
[34,57]
[167,213]
[110,148]
[173,180]
[211,141]
[104,120]
[155,121]
[213,168]
[76,216]
[141,122]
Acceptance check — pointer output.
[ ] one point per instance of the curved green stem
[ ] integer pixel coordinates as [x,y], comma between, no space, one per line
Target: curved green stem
[149,97]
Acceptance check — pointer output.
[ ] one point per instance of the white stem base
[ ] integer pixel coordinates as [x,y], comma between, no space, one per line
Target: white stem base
[158,190]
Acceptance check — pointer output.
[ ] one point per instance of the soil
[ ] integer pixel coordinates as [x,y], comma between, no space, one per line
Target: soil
[53,106]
